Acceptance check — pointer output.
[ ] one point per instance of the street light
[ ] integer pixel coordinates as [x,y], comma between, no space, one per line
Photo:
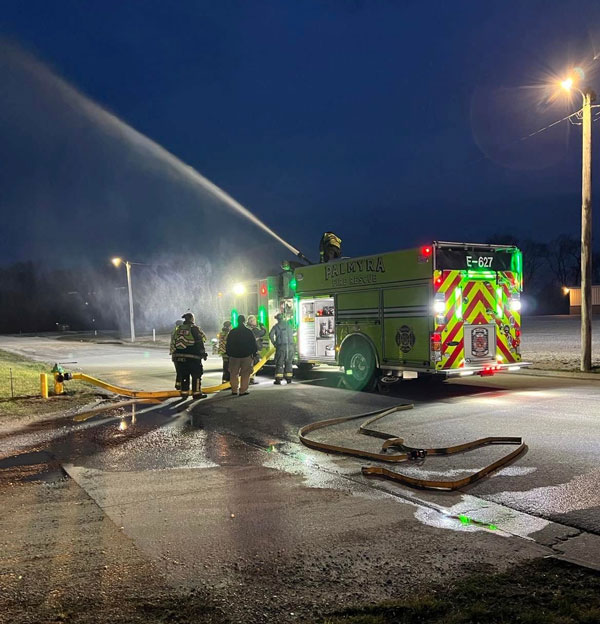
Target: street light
[586,217]
[117,262]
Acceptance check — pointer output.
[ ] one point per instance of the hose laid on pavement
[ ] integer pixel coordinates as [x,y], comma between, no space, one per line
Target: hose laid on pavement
[161,394]
[408,453]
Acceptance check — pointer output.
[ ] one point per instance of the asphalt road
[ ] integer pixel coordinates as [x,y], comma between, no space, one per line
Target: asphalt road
[220,490]
[557,479]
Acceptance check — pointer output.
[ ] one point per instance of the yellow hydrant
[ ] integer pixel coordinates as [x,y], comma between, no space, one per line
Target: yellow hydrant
[58,372]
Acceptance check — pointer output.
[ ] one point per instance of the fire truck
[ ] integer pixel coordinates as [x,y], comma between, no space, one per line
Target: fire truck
[442,310]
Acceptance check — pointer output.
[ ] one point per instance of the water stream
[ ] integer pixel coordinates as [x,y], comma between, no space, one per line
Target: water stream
[75,100]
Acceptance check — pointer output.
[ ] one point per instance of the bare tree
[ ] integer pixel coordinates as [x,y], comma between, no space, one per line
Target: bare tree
[563,257]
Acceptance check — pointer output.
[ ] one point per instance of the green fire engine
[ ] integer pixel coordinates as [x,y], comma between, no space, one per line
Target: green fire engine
[442,310]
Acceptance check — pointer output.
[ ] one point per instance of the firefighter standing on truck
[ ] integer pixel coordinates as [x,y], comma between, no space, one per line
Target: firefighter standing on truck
[282,337]
[187,352]
[330,247]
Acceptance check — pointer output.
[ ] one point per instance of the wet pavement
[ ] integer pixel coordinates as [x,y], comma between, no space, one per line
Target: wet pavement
[220,492]
[557,479]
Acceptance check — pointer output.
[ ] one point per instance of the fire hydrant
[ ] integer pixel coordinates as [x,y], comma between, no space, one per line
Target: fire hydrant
[60,376]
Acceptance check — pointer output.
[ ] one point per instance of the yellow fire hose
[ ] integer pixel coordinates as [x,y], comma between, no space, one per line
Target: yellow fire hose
[408,453]
[161,394]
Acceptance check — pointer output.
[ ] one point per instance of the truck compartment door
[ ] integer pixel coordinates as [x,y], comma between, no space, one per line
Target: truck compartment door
[407,325]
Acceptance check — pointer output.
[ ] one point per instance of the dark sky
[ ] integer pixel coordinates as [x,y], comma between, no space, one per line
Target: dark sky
[390,123]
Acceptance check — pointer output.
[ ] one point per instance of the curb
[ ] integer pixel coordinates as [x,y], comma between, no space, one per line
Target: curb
[536,372]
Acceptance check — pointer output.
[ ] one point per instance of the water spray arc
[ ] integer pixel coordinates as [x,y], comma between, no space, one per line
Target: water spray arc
[73,98]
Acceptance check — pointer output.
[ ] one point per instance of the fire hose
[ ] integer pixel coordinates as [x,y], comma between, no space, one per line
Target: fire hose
[161,394]
[408,453]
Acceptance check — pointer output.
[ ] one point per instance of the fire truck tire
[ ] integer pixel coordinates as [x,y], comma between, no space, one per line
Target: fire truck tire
[360,370]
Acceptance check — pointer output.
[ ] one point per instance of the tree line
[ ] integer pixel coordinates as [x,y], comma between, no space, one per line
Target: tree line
[37,297]
[547,269]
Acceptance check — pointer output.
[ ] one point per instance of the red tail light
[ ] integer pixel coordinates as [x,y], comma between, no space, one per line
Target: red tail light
[426,251]
[436,341]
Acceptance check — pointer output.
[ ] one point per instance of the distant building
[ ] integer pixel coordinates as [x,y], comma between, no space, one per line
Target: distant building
[575,299]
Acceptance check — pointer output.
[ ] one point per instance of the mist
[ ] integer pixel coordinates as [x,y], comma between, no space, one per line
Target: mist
[89,186]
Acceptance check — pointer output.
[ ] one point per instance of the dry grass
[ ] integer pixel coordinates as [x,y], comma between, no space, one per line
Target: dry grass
[545,591]
[24,395]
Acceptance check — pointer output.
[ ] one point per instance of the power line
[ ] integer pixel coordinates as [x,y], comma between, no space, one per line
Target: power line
[576,114]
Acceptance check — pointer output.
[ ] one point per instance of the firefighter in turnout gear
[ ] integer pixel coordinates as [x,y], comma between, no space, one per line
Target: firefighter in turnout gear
[222,349]
[330,247]
[282,337]
[259,332]
[187,352]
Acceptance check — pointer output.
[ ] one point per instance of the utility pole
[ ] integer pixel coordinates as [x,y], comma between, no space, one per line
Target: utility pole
[586,232]
[128,269]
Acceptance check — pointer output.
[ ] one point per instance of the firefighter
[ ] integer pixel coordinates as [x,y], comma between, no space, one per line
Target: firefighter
[241,349]
[187,352]
[330,247]
[259,332]
[282,336]
[222,349]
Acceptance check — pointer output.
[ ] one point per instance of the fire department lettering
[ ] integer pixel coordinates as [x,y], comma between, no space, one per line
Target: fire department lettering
[366,265]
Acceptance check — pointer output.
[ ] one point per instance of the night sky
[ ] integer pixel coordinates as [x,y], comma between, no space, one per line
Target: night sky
[390,123]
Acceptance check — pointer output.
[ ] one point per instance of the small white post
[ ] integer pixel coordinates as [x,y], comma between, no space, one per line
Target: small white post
[154,335]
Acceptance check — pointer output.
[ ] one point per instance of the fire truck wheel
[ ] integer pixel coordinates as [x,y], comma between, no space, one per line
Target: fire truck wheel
[359,367]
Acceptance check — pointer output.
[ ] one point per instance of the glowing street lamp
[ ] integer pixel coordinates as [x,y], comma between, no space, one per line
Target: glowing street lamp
[586,215]
[567,84]
[117,262]
[239,289]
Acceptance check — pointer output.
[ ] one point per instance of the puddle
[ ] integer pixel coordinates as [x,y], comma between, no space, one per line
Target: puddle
[32,466]
[474,514]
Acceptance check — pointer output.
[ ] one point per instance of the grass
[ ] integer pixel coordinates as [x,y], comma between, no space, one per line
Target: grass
[26,388]
[545,591]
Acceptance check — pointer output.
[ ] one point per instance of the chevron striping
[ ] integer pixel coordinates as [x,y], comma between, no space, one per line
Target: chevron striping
[454,355]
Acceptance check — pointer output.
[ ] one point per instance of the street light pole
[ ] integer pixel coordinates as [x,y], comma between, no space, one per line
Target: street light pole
[117,262]
[131,327]
[586,217]
[586,232]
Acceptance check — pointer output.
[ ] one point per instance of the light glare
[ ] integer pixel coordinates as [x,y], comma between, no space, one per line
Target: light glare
[439,307]
[567,84]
